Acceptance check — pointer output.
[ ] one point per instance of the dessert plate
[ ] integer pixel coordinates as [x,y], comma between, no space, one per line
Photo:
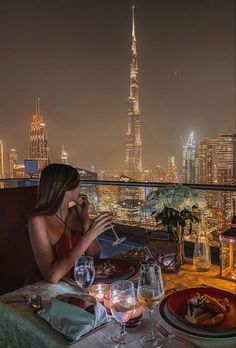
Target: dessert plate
[191,330]
[119,269]
[177,305]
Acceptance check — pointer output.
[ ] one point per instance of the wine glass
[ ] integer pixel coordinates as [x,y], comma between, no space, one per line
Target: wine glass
[122,303]
[150,292]
[84,271]
[109,209]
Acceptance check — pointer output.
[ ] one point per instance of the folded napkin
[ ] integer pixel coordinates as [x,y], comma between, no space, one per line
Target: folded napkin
[74,315]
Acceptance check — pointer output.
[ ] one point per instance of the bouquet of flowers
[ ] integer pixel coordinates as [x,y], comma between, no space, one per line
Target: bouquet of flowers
[174,205]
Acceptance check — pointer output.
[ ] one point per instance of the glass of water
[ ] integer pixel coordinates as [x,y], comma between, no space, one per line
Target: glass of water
[84,271]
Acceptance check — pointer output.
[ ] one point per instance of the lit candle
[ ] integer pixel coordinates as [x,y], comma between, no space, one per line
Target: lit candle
[106,301]
[98,291]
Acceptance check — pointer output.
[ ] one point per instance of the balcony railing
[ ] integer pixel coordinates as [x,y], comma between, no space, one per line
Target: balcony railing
[128,202]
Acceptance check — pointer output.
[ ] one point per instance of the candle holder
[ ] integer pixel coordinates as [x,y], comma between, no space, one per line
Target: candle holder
[106,301]
[98,291]
[228,254]
[136,317]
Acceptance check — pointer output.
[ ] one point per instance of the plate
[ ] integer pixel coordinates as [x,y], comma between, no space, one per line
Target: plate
[189,330]
[122,270]
[135,254]
[177,306]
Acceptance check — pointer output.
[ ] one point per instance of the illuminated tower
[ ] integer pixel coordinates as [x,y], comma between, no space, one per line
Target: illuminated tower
[133,155]
[12,162]
[189,160]
[172,170]
[64,156]
[1,160]
[39,149]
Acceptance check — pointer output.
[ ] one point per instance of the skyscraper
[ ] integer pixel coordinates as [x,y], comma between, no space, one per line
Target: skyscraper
[217,165]
[172,170]
[64,156]
[1,160]
[12,162]
[189,160]
[133,154]
[39,149]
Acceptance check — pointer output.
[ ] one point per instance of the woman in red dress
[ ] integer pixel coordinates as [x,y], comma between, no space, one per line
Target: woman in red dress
[59,235]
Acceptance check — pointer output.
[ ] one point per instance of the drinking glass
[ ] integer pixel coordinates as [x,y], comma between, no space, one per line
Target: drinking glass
[122,302]
[84,271]
[150,292]
[110,210]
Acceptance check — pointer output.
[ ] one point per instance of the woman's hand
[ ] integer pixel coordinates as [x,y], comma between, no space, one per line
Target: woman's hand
[100,224]
[82,204]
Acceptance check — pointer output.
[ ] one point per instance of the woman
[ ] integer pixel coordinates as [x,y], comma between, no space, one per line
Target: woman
[59,235]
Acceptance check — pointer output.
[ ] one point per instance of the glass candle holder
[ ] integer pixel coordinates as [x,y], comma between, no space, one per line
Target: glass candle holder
[228,254]
[98,291]
[106,301]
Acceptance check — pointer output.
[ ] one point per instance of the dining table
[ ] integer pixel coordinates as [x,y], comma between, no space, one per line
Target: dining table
[20,327]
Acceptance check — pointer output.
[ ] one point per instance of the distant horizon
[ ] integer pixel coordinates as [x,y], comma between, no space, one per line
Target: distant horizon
[75,57]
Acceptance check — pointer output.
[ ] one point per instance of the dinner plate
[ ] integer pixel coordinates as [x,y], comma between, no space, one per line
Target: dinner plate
[190,330]
[123,270]
[177,304]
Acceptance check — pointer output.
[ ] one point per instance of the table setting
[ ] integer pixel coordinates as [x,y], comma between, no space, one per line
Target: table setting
[144,308]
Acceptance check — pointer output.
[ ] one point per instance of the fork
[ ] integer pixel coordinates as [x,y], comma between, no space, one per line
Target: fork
[169,335]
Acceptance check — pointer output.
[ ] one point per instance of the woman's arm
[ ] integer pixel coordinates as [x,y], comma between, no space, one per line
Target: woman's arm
[55,269]
[82,214]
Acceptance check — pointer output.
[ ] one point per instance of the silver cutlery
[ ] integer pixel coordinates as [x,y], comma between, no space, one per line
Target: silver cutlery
[36,302]
[170,335]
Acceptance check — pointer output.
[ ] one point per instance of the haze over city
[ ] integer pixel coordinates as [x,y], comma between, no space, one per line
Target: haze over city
[75,56]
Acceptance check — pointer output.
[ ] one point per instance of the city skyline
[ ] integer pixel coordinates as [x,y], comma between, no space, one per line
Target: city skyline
[84,89]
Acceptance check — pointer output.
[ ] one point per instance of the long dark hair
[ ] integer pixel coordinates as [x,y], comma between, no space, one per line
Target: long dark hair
[55,180]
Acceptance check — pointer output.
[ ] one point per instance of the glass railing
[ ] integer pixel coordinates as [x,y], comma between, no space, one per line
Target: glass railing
[130,205]
[128,201]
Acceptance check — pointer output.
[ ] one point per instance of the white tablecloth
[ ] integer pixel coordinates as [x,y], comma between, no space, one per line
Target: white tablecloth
[21,328]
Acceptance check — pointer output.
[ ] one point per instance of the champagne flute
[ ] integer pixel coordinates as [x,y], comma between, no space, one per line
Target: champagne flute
[150,293]
[118,240]
[122,303]
[84,272]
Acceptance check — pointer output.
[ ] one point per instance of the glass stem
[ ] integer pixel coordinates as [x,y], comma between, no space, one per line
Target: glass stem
[151,322]
[123,331]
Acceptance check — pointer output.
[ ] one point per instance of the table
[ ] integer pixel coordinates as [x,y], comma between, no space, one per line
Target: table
[20,328]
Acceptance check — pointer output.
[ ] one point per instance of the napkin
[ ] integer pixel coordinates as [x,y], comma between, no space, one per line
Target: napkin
[74,315]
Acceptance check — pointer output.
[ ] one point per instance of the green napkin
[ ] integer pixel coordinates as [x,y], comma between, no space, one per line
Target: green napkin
[71,320]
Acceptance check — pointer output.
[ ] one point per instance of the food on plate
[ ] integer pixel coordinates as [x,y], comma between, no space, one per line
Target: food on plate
[105,269]
[134,253]
[207,310]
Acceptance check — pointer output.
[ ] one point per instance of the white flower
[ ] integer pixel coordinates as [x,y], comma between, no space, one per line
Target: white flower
[178,197]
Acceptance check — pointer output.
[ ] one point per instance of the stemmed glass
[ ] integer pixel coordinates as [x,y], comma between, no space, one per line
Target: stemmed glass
[122,302]
[109,209]
[150,292]
[84,272]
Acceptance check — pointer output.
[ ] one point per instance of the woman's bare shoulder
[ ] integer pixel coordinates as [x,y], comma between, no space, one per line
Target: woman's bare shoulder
[38,220]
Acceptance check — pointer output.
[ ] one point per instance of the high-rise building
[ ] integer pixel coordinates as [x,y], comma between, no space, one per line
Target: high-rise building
[133,154]
[1,160]
[64,156]
[217,160]
[217,165]
[39,149]
[172,170]
[189,160]
[12,162]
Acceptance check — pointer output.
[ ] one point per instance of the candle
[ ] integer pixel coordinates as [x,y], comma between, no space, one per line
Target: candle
[137,314]
[106,301]
[98,291]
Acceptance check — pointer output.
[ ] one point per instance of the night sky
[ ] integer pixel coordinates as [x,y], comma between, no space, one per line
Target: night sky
[75,56]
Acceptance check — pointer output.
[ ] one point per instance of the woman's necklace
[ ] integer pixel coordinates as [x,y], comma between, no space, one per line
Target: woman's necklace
[66,227]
